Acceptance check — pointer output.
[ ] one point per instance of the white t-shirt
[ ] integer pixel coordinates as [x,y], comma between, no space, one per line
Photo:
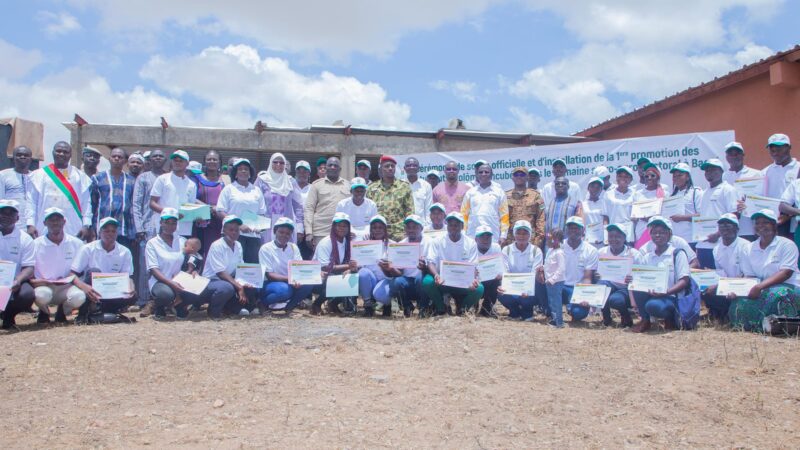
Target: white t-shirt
[717,201]
[444,249]
[324,249]
[617,207]
[730,177]
[222,258]
[167,259]
[237,199]
[17,186]
[18,248]
[53,261]
[359,215]
[780,254]
[728,258]
[677,269]
[173,191]
[94,256]
[592,214]
[422,193]
[577,260]
[778,177]
[423,251]
[691,205]
[640,195]
[274,259]
[522,261]
[677,242]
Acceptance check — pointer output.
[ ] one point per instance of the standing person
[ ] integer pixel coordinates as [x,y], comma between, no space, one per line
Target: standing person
[302,174]
[322,167]
[333,254]
[16,246]
[450,193]
[364,170]
[734,155]
[552,274]
[91,159]
[618,299]
[684,187]
[274,258]
[112,196]
[651,189]
[729,257]
[781,173]
[240,197]
[408,285]
[393,197]
[617,202]
[433,178]
[15,184]
[323,196]
[421,191]
[54,252]
[455,246]
[61,185]
[519,257]
[581,264]
[359,208]
[135,165]
[525,203]
[719,199]
[146,156]
[534,176]
[173,189]
[559,171]
[641,168]
[144,225]
[604,174]
[486,204]
[209,186]
[281,193]
[592,209]
[561,206]
[662,305]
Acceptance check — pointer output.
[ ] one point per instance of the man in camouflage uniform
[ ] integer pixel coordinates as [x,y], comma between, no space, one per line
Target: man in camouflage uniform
[393,197]
[525,204]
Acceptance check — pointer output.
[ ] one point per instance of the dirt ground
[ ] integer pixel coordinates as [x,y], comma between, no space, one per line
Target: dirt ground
[333,382]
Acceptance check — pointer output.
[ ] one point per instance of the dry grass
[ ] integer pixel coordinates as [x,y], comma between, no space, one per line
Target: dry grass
[352,382]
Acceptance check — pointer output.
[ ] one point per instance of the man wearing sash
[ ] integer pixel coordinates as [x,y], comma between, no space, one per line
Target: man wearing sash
[16,247]
[61,185]
[112,196]
[15,184]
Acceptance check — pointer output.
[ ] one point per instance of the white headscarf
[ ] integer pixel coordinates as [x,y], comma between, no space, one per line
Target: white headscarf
[279,183]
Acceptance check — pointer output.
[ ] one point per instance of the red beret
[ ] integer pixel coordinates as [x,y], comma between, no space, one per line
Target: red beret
[385,158]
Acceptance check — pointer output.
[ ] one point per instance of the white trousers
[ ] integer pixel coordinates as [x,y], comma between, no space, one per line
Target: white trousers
[56,294]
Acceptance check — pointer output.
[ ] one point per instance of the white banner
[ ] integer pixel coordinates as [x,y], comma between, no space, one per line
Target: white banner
[582,158]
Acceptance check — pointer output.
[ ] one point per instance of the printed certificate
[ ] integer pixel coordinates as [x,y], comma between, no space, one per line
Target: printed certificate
[195,285]
[489,267]
[345,285]
[703,227]
[194,211]
[433,234]
[593,294]
[646,208]
[366,253]
[457,274]
[647,278]
[705,278]
[751,186]
[255,222]
[595,232]
[740,287]
[305,272]
[614,269]
[250,275]
[404,255]
[8,270]
[755,203]
[111,285]
[673,206]
[519,283]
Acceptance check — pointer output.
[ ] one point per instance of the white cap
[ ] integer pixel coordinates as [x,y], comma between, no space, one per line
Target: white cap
[576,221]
[778,139]
[455,215]
[434,172]
[483,229]
[136,156]
[340,217]
[614,226]
[53,211]
[195,167]
[105,221]
[358,182]
[681,167]
[169,213]
[303,164]
[414,218]
[90,149]
[601,171]
[625,169]
[364,162]
[734,144]
[437,205]
[479,163]
[658,220]
[284,222]
[147,154]
[713,162]
[728,217]
[379,218]
[179,154]
[765,213]
[8,203]
[596,180]
[523,225]
[232,218]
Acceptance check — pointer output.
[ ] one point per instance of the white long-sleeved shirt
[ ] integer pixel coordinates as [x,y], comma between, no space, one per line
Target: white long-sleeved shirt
[422,193]
[486,206]
[555,263]
[46,194]
[17,186]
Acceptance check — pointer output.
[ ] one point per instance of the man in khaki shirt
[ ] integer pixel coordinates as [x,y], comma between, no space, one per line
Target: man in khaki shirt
[525,204]
[323,195]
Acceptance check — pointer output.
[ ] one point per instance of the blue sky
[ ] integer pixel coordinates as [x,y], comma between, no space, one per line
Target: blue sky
[538,66]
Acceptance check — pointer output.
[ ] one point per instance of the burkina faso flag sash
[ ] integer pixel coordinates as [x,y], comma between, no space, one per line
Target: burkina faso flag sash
[64,186]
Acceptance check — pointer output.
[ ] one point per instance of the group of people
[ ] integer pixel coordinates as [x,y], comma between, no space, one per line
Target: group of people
[60,225]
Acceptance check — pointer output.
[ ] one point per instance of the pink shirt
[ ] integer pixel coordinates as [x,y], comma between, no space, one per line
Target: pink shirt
[450,197]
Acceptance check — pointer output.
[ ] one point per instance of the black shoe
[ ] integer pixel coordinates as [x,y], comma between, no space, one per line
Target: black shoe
[387,310]
[448,310]
[43,317]
[8,322]
[369,311]
[333,307]
[407,311]
[439,313]
[60,316]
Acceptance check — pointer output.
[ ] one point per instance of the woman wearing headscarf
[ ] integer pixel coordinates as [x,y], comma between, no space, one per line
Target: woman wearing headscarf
[652,189]
[333,254]
[281,194]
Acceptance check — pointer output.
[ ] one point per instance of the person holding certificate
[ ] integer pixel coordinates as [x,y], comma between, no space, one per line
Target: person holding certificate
[652,189]
[220,268]
[274,258]
[719,199]
[16,247]
[520,257]
[240,197]
[728,258]
[487,248]
[662,305]
[358,207]
[592,208]
[618,299]
[690,194]
[455,246]
[173,189]
[106,256]
[773,260]
[408,285]
[333,253]
[580,263]
[734,156]
[617,202]
[374,280]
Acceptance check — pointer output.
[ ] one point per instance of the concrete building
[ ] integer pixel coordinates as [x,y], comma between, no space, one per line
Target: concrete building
[257,144]
[754,101]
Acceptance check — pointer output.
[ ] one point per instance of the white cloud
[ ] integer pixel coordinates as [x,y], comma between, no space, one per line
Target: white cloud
[23,60]
[462,90]
[58,24]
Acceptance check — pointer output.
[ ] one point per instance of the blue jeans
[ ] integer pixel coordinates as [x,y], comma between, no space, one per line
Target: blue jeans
[705,256]
[216,294]
[555,309]
[618,299]
[577,312]
[519,307]
[369,287]
[658,307]
[408,290]
[281,292]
